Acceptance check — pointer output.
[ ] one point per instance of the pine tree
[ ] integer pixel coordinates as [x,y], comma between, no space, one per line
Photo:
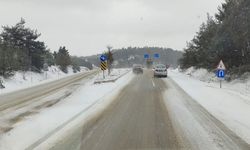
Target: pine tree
[27,49]
[226,37]
[63,59]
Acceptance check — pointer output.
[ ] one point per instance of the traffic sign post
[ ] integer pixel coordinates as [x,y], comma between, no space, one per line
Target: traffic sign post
[103,58]
[156,58]
[221,72]
[221,66]
[221,76]
[156,55]
[103,64]
[146,56]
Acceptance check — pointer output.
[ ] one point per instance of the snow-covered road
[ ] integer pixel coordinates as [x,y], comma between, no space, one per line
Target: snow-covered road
[196,126]
[230,105]
[31,124]
[203,116]
[136,121]
[14,98]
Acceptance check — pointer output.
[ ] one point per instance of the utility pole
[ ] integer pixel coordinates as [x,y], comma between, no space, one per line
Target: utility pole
[126,51]
[110,58]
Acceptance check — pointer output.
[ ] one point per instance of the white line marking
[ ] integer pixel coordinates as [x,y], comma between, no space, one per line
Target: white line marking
[153,83]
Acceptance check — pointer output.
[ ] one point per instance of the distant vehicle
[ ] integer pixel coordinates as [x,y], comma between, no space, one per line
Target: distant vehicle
[137,69]
[160,70]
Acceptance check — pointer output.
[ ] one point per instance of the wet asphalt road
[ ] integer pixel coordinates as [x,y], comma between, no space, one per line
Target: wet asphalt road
[136,120]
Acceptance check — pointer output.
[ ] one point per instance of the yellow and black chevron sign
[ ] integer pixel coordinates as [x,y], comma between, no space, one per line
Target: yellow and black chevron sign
[104,65]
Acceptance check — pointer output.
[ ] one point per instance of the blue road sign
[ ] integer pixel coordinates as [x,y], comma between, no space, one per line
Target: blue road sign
[156,55]
[103,58]
[220,73]
[146,56]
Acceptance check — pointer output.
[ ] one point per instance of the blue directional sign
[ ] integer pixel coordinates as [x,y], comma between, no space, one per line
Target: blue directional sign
[220,73]
[103,58]
[156,55]
[146,56]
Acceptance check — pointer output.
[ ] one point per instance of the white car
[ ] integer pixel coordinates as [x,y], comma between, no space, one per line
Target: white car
[160,71]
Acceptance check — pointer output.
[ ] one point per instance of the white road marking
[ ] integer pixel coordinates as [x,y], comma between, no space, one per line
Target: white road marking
[153,83]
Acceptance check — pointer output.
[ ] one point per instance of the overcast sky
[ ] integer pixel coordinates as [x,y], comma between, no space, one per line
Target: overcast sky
[86,27]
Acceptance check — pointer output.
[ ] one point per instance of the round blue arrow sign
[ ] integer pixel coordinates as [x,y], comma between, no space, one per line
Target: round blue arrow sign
[103,58]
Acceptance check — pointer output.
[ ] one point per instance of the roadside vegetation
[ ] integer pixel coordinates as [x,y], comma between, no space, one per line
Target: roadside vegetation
[224,36]
[21,50]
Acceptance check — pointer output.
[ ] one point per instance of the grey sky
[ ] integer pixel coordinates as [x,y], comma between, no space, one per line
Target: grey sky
[86,27]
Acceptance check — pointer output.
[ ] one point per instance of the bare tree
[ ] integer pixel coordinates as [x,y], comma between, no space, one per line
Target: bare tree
[110,58]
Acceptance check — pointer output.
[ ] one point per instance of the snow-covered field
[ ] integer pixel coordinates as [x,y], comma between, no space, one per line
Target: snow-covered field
[114,75]
[230,104]
[22,80]
[88,99]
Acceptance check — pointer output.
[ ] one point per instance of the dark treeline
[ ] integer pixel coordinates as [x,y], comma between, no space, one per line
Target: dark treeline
[225,36]
[20,50]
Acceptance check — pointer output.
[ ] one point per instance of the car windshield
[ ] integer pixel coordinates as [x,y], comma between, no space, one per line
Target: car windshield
[160,66]
[124,74]
[137,66]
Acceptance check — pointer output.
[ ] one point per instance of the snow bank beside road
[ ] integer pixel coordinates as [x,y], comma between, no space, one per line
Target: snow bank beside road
[189,130]
[114,75]
[201,74]
[231,104]
[22,80]
[237,86]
